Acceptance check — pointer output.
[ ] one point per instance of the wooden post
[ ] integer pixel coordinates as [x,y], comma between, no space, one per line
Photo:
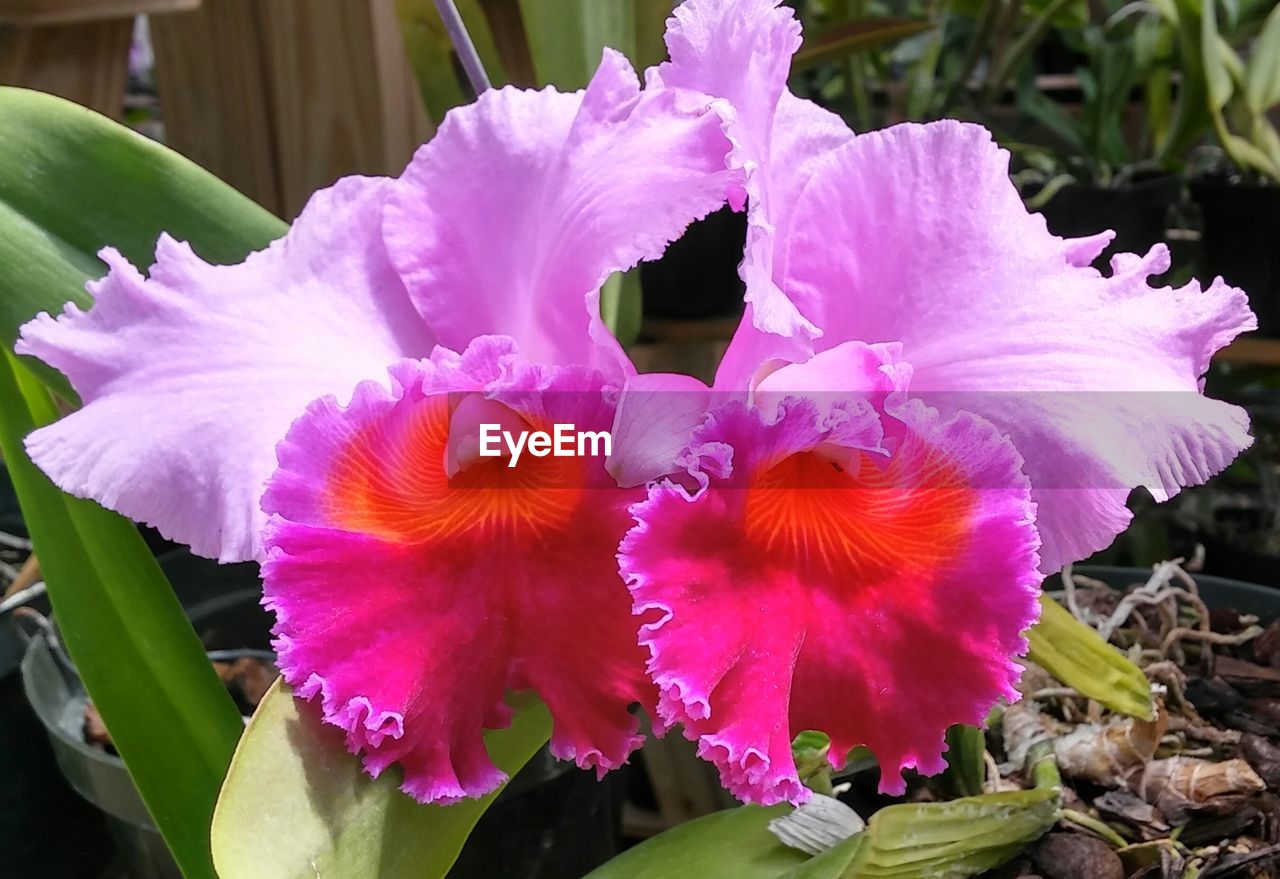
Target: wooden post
[87,62]
[281,98]
[211,80]
[343,93]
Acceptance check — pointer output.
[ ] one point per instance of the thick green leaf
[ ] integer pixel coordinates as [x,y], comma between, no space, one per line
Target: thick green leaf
[952,839]
[1262,82]
[859,35]
[1076,655]
[735,844]
[296,805]
[72,181]
[910,841]
[169,715]
[966,760]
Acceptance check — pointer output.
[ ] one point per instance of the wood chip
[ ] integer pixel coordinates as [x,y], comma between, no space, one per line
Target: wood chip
[1076,855]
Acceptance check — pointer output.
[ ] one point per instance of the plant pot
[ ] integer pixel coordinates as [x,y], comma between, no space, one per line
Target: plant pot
[39,812]
[1136,211]
[97,776]
[697,276]
[231,621]
[43,12]
[1238,242]
[1217,592]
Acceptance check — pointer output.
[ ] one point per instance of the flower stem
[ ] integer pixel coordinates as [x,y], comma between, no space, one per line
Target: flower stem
[462,44]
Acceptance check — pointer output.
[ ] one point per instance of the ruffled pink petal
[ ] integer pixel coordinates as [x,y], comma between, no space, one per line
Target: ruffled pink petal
[191,377]
[513,216]
[1096,379]
[879,602]
[411,601]
[741,50]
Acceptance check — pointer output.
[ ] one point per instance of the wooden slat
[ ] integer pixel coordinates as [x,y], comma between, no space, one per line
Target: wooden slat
[47,12]
[1251,351]
[212,85]
[282,98]
[86,63]
[342,92]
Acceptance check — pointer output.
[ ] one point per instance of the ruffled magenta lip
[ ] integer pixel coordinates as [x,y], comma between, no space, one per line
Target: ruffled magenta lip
[411,601]
[754,638]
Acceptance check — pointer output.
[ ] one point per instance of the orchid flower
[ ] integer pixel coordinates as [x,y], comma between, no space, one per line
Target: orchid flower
[930,402]
[316,408]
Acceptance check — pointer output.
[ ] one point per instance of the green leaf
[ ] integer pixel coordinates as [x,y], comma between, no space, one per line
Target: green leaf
[72,181]
[966,760]
[952,839]
[1217,76]
[296,805]
[859,35]
[1262,82]
[734,844]
[567,37]
[651,26]
[621,305]
[1075,15]
[1038,106]
[909,841]
[1077,656]
[142,664]
[834,863]
[431,53]
[811,749]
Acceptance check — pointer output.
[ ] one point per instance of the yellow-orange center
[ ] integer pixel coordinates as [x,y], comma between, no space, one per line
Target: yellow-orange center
[391,482]
[868,522]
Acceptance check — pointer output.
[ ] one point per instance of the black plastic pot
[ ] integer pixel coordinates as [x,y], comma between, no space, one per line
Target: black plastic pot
[1238,242]
[1262,601]
[231,621]
[46,830]
[697,277]
[1137,212]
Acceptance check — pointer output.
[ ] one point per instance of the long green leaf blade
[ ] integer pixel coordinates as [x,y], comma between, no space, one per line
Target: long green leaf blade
[1078,656]
[72,182]
[735,844]
[1262,82]
[169,715]
[855,36]
[296,805]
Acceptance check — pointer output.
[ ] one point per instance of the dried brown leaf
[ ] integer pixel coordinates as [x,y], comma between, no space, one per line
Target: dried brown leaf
[1109,754]
[1121,805]
[1179,785]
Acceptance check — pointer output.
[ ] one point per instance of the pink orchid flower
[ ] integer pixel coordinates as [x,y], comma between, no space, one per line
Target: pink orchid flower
[931,402]
[316,408]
